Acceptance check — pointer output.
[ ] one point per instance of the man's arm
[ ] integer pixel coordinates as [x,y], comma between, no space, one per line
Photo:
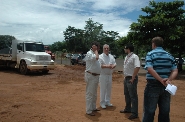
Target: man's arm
[173,75]
[113,66]
[102,63]
[108,66]
[136,70]
[154,74]
[97,55]
[105,66]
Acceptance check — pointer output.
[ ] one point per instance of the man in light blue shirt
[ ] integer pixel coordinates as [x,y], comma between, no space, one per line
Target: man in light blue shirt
[162,70]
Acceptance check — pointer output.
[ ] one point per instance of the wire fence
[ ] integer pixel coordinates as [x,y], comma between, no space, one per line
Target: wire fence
[61,59]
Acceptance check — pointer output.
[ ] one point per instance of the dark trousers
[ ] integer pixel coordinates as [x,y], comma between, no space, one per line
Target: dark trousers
[154,94]
[131,97]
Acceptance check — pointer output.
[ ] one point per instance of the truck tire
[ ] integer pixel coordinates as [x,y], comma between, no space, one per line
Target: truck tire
[45,71]
[23,68]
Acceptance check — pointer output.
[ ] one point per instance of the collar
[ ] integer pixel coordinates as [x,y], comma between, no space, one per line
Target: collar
[105,54]
[158,48]
[91,51]
[130,54]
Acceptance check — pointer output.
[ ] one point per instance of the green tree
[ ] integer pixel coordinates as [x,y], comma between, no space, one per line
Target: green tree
[78,40]
[111,38]
[74,39]
[58,46]
[165,19]
[69,38]
[6,41]
[93,31]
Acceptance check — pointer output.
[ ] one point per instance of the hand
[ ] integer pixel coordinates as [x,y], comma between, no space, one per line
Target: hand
[132,80]
[166,81]
[109,66]
[96,51]
[112,66]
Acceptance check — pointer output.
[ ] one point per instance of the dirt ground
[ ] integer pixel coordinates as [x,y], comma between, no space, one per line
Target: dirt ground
[60,97]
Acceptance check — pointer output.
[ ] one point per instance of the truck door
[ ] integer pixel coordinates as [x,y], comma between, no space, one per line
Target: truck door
[20,51]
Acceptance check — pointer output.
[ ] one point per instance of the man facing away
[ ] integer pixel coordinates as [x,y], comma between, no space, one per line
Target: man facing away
[107,63]
[92,73]
[162,70]
[131,69]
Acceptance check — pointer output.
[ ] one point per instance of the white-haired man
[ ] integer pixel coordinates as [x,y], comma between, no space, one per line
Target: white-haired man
[107,63]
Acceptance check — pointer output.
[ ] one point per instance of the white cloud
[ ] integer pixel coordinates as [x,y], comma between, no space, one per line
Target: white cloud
[125,5]
[45,20]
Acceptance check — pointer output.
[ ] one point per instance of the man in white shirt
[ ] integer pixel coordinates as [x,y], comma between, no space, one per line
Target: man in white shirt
[131,68]
[107,63]
[92,73]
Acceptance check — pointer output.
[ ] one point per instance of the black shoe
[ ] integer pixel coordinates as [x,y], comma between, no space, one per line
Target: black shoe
[133,117]
[96,110]
[125,111]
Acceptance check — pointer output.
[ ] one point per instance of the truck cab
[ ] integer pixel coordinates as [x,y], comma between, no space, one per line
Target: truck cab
[28,56]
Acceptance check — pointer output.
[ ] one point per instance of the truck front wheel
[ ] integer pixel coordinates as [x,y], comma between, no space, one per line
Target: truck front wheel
[45,71]
[23,68]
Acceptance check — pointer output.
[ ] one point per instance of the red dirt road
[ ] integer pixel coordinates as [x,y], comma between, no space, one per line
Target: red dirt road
[60,97]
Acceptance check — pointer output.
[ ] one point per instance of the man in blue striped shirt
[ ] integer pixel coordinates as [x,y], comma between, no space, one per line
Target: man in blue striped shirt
[162,69]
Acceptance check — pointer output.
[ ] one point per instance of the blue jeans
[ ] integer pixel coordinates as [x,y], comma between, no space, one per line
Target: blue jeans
[131,97]
[154,94]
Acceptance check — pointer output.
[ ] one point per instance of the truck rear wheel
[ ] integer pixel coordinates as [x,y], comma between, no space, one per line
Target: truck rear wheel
[23,68]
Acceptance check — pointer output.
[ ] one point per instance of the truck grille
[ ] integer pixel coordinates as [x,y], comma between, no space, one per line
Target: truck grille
[43,57]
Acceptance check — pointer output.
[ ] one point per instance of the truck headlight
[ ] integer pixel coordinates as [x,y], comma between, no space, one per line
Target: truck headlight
[33,63]
[51,63]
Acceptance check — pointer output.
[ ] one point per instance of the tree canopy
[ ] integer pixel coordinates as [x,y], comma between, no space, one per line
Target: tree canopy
[6,41]
[165,19]
[79,40]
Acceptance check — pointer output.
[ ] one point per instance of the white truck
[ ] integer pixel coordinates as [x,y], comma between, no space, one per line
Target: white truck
[26,56]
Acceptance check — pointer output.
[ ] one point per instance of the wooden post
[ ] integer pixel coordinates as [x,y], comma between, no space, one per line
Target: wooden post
[62,56]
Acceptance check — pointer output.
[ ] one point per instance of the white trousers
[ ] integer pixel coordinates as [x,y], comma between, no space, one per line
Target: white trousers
[91,91]
[105,89]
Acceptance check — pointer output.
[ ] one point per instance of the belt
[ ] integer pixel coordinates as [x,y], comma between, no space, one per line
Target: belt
[95,74]
[128,77]
[153,81]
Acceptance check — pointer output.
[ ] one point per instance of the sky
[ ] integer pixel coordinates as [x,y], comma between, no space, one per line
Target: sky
[45,20]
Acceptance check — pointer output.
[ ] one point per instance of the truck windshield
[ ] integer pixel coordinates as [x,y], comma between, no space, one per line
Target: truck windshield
[34,47]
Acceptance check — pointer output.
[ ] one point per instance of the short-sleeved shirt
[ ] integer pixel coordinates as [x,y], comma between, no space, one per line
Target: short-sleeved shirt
[92,65]
[161,61]
[130,63]
[106,60]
